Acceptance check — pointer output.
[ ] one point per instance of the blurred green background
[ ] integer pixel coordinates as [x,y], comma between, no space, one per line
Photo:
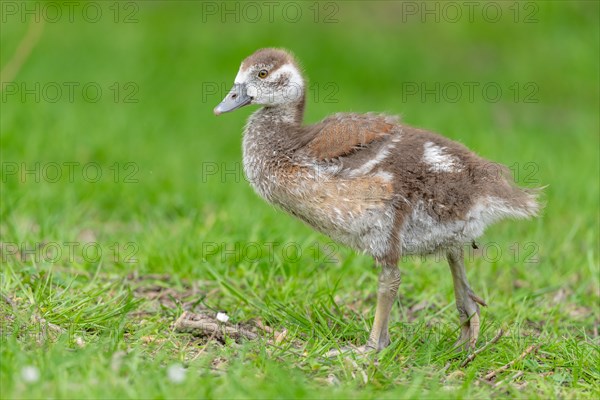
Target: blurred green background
[164,158]
[175,53]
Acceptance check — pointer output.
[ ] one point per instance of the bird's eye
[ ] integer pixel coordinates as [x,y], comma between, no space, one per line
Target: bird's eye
[262,74]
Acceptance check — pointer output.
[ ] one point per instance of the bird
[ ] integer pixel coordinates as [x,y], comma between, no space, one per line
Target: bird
[372,183]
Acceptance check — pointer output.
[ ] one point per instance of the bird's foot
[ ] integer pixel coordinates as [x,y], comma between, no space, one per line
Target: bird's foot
[369,348]
[470,322]
[469,333]
[348,350]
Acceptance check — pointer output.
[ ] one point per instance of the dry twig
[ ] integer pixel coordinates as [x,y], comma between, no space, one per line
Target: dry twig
[472,356]
[512,378]
[528,350]
[209,326]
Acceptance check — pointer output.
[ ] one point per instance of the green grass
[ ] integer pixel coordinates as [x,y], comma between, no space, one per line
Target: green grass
[100,325]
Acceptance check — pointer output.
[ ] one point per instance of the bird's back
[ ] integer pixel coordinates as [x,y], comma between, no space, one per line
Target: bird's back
[378,186]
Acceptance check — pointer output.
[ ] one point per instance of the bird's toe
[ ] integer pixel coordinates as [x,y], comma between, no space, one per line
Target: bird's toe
[347,350]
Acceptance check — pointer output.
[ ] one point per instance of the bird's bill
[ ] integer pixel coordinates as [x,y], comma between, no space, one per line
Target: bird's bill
[236,98]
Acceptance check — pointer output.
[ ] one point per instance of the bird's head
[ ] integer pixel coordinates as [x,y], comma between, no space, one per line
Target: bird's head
[269,77]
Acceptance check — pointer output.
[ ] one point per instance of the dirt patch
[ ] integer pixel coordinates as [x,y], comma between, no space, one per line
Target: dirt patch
[158,290]
[206,325]
[187,308]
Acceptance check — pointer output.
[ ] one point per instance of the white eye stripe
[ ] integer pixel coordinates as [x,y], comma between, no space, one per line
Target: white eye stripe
[242,76]
[288,69]
[292,72]
[282,85]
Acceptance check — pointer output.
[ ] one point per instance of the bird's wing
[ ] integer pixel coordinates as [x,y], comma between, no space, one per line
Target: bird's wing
[344,135]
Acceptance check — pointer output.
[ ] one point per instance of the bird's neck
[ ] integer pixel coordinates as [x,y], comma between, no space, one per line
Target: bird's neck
[290,113]
[275,128]
[268,144]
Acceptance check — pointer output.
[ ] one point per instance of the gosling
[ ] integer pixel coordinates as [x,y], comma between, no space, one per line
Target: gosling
[371,183]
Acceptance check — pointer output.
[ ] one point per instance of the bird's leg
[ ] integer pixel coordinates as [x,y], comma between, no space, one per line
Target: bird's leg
[379,338]
[466,301]
[389,281]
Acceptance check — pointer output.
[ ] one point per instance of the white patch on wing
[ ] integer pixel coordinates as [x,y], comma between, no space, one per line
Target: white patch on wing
[369,165]
[386,176]
[381,155]
[438,160]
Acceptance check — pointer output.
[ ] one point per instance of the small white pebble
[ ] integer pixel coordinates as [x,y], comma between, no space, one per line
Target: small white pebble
[30,374]
[79,341]
[222,317]
[176,373]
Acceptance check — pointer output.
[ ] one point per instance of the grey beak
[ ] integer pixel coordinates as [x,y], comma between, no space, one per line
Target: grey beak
[235,99]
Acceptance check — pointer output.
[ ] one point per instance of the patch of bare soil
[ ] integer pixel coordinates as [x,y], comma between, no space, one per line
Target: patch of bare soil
[196,318]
